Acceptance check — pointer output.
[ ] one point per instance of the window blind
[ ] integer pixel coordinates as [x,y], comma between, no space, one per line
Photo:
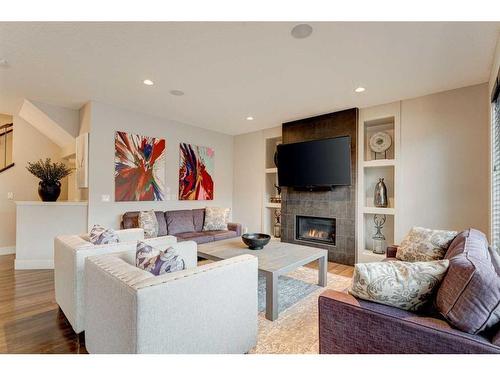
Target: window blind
[495,173]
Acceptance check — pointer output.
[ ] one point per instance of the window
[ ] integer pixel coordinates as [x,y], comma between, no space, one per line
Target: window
[495,163]
[6,137]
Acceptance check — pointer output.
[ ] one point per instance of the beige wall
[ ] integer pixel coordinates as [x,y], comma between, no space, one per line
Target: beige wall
[249,178]
[106,119]
[444,164]
[249,152]
[445,160]
[28,145]
[495,66]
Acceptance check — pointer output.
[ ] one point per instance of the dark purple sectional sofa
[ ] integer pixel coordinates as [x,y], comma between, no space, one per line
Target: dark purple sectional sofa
[186,225]
[465,305]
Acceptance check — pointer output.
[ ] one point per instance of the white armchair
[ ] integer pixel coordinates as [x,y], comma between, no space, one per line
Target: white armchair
[206,309]
[70,252]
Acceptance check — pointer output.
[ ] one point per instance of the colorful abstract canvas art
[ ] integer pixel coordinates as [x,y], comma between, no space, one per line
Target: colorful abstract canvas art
[195,172]
[139,168]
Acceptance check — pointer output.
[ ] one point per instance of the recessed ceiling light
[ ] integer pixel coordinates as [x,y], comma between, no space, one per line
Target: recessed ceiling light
[148,82]
[177,92]
[301,31]
[4,63]
[249,118]
[360,89]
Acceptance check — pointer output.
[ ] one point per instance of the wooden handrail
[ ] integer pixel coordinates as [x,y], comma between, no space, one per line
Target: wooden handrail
[6,126]
[6,167]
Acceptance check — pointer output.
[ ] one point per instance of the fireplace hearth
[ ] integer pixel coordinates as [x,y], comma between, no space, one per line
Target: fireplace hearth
[315,229]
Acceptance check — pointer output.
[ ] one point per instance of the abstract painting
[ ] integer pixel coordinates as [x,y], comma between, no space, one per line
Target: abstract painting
[139,167]
[195,172]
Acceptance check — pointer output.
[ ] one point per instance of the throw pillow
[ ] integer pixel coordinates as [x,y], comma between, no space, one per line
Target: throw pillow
[148,222]
[424,245]
[469,296]
[157,261]
[99,235]
[408,286]
[216,218]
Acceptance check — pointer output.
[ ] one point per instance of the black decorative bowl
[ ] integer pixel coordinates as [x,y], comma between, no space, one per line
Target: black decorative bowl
[256,241]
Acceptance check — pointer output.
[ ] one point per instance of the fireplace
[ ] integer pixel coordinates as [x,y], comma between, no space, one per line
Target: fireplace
[315,229]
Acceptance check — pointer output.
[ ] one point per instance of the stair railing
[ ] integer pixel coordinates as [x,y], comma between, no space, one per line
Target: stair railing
[6,134]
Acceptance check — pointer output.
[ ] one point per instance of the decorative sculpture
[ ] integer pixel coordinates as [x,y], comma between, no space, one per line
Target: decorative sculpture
[379,244]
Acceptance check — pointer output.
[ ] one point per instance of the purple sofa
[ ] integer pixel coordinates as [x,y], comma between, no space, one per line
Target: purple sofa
[186,225]
[463,318]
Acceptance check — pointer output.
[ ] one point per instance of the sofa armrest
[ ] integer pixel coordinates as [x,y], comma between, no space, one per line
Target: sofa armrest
[348,325]
[391,251]
[236,227]
[132,234]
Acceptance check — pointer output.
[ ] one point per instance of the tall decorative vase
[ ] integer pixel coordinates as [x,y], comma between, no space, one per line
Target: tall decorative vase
[380,197]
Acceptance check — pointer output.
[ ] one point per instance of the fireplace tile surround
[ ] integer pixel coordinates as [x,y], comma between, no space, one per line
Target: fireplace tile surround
[338,203]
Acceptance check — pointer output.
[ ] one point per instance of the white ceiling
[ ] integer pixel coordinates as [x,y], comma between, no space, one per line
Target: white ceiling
[232,70]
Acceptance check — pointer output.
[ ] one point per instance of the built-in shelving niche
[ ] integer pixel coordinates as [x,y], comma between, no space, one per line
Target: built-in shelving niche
[373,120]
[271,178]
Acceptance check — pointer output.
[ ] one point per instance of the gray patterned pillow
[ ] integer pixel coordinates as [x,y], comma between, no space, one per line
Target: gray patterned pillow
[216,218]
[423,245]
[408,286]
[148,222]
[99,235]
[157,261]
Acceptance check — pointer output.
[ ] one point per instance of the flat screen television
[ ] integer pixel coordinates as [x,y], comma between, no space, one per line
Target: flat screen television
[322,163]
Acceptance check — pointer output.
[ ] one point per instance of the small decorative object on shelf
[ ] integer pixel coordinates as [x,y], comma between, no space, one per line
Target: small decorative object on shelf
[380,196]
[379,143]
[379,243]
[276,198]
[50,175]
[277,224]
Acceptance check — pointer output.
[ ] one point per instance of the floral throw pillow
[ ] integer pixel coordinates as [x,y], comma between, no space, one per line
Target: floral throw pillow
[423,245]
[407,286]
[148,222]
[216,218]
[99,235]
[157,261]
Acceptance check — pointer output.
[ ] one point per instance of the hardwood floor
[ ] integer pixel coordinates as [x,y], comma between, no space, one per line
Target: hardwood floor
[30,320]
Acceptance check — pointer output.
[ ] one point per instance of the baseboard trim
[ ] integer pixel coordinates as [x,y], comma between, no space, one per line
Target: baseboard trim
[7,250]
[33,264]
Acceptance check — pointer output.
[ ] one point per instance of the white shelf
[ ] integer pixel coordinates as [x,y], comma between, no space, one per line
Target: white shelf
[384,118]
[273,205]
[379,163]
[270,177]
[379,210]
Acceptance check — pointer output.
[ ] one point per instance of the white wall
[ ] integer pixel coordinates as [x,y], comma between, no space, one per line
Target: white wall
[445,160]
[444,163]
[249,153]
[105,120]
[249,177]
[66,118]
[29,145]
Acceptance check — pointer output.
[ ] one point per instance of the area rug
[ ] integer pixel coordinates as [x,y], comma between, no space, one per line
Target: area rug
[296,329]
